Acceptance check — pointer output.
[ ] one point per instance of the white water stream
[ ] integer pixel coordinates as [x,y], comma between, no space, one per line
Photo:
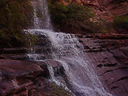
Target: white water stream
[66,49]
[41,15]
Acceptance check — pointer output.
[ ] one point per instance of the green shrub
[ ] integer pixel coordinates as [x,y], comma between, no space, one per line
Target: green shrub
[30,41]
[120,22]
[70,18]
[59,91]
[62,14]
[14,16]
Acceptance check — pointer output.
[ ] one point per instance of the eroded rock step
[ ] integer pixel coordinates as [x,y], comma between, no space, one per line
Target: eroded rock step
[13,50]
[92,44]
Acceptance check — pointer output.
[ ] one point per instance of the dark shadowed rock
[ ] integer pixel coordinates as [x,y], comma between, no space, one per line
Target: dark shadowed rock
[111,36]
[14,53]
[13,50]
[57,66]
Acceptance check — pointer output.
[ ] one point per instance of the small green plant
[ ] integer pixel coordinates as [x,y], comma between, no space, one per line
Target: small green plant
[59,91]
[120,22]
[30,41]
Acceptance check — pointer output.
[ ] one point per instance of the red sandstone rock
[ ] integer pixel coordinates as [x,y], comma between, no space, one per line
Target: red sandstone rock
[14,75]
[111,36]
[18,78]
[14,68]
[111,63]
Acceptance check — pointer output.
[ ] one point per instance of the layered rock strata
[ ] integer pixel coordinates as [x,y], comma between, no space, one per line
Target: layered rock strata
[109,54]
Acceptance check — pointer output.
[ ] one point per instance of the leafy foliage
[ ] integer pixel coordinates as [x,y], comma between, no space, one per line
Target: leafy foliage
[30,41]
[120,22]
[14,16]
[59,90]
[64,14]
[70,16]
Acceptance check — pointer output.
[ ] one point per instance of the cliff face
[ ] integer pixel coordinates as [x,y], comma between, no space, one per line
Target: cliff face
[109,54]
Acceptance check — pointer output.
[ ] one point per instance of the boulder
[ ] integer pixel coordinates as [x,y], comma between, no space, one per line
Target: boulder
[16,75]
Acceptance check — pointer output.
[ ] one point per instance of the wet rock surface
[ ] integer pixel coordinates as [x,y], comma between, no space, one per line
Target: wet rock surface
[109,54]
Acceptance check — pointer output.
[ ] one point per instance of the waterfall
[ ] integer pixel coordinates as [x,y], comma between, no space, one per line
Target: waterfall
[66,49]
[41,15]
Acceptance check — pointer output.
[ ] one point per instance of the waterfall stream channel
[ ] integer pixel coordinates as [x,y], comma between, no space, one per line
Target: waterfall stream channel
[80,76]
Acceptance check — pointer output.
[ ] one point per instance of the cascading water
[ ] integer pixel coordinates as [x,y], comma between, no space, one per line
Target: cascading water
[66,49]
[41,15]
